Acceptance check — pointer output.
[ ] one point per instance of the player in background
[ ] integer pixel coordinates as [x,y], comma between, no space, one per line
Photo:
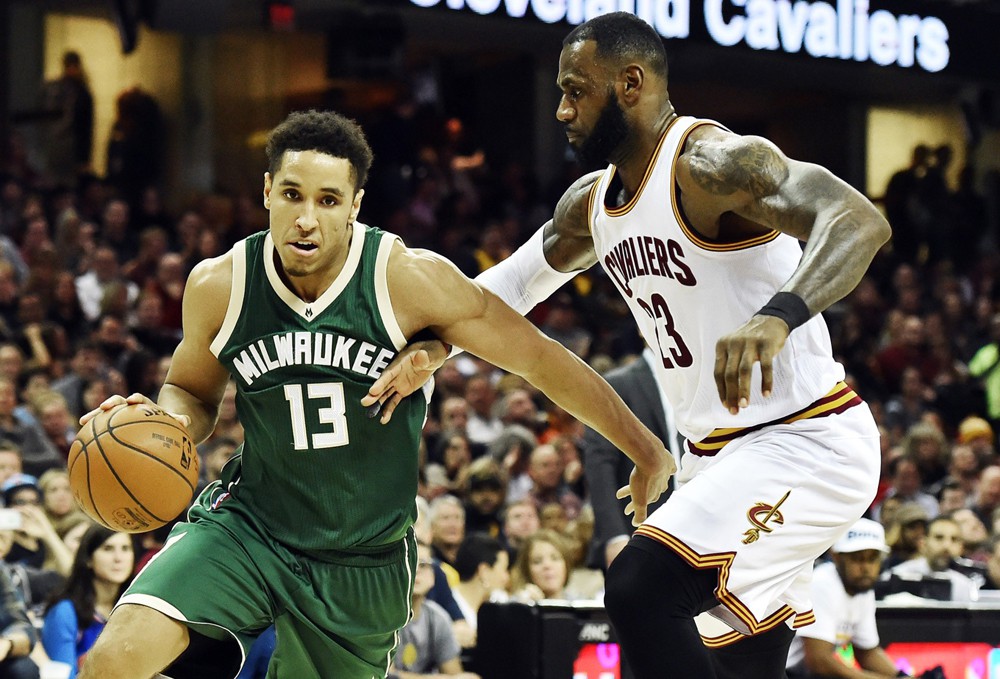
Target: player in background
[700,230]
[309,527]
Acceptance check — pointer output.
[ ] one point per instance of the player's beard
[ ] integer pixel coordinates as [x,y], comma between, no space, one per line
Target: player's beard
[610,131]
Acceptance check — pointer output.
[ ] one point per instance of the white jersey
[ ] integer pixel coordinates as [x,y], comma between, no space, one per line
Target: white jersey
[686,292]
[841,618]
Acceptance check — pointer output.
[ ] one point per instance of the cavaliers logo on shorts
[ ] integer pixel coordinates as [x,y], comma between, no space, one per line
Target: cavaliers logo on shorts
[763,517]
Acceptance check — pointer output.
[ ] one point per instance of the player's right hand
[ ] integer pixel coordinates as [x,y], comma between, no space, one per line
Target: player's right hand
[408,372]
[646,485]
[757,341]
[132,399]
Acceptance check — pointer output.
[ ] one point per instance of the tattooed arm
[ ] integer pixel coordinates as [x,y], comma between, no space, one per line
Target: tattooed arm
[734,183]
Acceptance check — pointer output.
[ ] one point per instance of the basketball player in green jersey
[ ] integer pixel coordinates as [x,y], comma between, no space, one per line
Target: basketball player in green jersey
[310,526]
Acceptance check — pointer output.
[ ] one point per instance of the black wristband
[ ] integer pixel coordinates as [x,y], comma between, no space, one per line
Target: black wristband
[787,306]
[426,335]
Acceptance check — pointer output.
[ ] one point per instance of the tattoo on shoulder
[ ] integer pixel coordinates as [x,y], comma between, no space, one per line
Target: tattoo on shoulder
[751,165]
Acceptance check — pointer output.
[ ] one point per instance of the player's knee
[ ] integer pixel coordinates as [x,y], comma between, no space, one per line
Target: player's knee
[623,586]
[642,578]
[123,651]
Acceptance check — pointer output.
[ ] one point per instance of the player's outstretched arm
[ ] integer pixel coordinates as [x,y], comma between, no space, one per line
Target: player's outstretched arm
[428,291]
[724,175]
[548,260]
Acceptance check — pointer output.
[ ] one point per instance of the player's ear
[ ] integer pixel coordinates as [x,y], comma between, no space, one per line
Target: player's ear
[632,77]
[267,190]
[356,206]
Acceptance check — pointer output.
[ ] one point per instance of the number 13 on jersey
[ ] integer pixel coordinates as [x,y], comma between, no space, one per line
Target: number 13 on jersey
[332,413]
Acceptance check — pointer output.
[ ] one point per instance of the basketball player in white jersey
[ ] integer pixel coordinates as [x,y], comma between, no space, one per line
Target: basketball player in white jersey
[700,230]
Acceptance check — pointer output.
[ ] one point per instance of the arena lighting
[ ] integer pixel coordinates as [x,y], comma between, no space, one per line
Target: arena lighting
[835,29]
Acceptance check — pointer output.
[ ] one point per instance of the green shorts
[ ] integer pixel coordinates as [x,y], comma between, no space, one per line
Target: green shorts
[224,577]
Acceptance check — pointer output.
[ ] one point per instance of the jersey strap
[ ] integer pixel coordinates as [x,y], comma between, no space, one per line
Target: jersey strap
[839,399]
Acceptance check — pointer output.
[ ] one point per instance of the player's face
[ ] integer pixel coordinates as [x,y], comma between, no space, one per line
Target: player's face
[313,206]
[112,562]
[596,126]
[859,570]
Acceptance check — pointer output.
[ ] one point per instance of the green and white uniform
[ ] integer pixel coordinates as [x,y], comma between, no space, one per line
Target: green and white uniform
[310,525]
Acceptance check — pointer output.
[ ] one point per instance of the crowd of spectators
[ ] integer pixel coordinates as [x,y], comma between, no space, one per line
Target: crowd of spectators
[92,273]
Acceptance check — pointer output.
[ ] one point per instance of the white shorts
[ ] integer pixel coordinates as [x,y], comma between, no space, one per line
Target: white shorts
[764,508]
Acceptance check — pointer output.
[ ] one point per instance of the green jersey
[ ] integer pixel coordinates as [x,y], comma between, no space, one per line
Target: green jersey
[317,473]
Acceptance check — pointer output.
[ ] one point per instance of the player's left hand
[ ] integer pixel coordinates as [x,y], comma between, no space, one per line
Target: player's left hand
[645,486]
[758,340]
[408,371]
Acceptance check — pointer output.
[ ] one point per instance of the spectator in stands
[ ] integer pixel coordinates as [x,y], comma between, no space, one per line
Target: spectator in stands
[843,598]
[168,285]
[57,500]
[546,472]
[64,308]
[102,274]
[520,521]
[977,433]
[10,460]
[905,409]
[154,243]
[17,634]
[214,456]
[963,469]
[909,350]
[906,484]
[36,543]
[427,645]
[906,533]
[512,448]
[974,534]
[987,497]
[904,208]
[942,546]
[455,453]
[37,453]
[993,563]
[485,488]
[75,617]
[69,135]
[146,325]
[927,446]
[541,570]
[57,423]
[483,427]
[481,563]
[951,497]
[562,324]
[447,529]
[516,407]
[88,364]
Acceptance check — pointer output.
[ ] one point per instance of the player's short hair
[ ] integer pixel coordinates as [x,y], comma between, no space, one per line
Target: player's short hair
[622,36]
[325,132]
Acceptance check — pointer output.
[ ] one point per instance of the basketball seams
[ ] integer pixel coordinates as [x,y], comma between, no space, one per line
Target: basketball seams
[130,446]
[111,468]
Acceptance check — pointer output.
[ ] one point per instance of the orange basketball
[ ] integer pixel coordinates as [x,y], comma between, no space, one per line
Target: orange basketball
[133,468]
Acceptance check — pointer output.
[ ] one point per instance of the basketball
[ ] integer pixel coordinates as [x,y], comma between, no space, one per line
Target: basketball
[133,468]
